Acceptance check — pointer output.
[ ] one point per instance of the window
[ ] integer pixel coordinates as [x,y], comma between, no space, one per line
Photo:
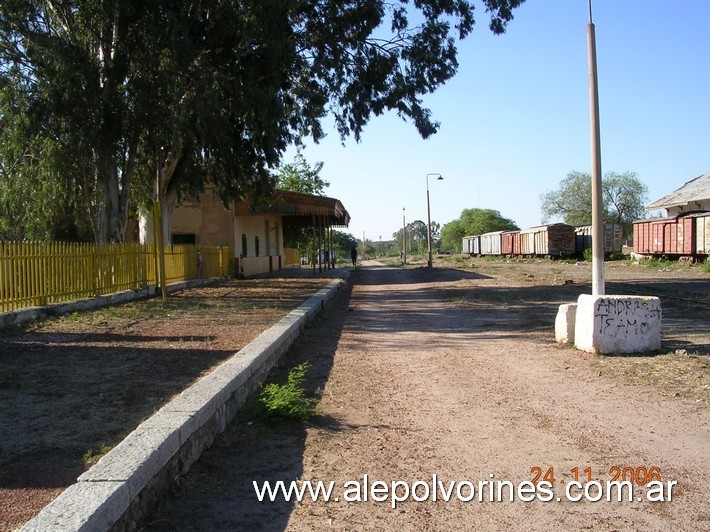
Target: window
[244,245]
[256,246]
[180,240]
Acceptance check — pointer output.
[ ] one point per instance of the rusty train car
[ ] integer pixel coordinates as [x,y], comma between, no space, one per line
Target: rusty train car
[613,238]
[553,240]
[686,236]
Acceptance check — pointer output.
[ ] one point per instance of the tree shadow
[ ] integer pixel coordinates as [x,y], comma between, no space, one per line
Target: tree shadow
[79,398]
[219,491]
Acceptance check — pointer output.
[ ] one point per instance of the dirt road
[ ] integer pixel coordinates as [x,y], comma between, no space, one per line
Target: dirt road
[455,375]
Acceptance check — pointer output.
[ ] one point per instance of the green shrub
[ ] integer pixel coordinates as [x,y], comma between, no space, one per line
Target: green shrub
[587,254]
[288,400]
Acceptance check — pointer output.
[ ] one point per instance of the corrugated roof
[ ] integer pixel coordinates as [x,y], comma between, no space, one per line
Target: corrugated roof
[300,208]
[697,189]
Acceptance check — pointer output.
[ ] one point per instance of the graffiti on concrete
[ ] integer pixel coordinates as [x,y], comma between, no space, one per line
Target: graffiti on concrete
[626,317]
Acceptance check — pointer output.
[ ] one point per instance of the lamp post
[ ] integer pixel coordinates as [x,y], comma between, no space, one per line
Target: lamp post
[428,217]
[404,238]
[597,207]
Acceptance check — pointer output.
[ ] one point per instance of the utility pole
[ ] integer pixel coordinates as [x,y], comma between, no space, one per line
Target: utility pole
[597,210]
[404,238]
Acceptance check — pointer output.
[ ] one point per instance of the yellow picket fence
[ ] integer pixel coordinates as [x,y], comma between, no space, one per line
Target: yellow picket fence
[34,274]
[292,257]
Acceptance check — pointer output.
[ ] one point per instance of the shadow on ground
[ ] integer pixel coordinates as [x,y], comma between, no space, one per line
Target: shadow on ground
[218,493]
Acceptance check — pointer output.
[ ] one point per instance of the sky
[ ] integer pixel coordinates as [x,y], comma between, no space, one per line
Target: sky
[515,119]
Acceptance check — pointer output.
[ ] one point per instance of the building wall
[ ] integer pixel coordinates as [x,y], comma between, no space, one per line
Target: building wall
[213,225]
[268,229]
[210,222]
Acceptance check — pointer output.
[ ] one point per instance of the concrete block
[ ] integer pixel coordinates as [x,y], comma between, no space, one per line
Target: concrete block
[564,323]
[85,506]
[617,324]
[137,459]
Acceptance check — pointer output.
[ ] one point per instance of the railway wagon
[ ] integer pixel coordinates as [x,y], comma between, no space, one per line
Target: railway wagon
[686,235]
[613,238]
[553,240]
[491,243]
[510,243]
[702,234]
[648,236]
[472,244]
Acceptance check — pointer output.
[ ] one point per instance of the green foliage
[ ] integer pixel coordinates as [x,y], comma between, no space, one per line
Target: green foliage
[417,237]
[35,203]
[706,266]
[623,197]
[588,254]
[300,176]
[92,456]
[121,91]
[473,222]
[288,400]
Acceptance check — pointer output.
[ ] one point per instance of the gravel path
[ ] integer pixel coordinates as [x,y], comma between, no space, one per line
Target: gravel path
[417,383]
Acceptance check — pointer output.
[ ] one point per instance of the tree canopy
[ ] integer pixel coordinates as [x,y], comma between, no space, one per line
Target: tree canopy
[623,197]
[137,99]
[300,176]
[473,222]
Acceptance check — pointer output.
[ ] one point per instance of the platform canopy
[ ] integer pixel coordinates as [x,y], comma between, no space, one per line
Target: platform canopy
[298,208]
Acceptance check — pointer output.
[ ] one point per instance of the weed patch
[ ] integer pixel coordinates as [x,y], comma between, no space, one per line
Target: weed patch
[289,400]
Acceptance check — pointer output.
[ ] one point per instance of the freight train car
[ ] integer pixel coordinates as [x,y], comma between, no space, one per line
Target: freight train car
[684,236]
[510,243]
[613,238]
[553,240]
[491,243]
[472,244]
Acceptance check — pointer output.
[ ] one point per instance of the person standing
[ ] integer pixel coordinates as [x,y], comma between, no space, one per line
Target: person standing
[353,255]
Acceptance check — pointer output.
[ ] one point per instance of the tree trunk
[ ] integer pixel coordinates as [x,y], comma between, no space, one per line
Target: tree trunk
[109,220]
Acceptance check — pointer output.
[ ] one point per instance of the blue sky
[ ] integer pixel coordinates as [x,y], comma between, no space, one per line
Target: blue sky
[515,119]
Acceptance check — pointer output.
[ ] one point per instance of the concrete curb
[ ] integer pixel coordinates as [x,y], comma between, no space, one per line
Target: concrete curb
[116,492]
[18,317]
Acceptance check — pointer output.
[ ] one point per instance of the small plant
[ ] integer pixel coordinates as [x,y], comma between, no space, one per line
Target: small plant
[92,455]
[587,254]
[288,400]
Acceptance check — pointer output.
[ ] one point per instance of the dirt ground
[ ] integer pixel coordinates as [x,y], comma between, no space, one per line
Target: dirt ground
[455,373]
[72,387]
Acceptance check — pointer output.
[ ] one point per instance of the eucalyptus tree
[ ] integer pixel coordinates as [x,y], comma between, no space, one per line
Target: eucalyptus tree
[473,222]
[215,90]
[623,198]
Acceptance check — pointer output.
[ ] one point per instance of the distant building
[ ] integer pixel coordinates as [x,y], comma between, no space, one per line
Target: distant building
[254,231]
[693,196]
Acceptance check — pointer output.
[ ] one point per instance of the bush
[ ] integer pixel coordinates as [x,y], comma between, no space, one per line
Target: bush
[288,400]
[587,254]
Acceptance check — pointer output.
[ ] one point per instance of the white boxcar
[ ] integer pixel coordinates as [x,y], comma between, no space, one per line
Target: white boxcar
[490,243]
[472,244]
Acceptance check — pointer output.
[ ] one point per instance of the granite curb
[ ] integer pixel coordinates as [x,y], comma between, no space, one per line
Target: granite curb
[120,488]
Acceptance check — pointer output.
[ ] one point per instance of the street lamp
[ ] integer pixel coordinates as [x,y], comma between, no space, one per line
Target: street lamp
[428,217]
[404,238]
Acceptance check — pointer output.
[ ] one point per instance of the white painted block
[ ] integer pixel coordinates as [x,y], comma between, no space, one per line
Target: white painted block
[564,323]
[617,324]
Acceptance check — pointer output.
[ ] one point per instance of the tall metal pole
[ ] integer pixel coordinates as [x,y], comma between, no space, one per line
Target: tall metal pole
[597,210]
[404,238]
[430,263]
